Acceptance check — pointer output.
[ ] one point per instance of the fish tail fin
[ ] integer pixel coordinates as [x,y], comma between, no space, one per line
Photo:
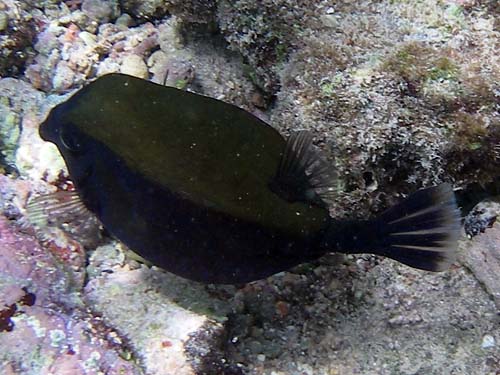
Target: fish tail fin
[421,232]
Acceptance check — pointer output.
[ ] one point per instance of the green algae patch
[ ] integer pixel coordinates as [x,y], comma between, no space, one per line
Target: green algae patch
[418,64]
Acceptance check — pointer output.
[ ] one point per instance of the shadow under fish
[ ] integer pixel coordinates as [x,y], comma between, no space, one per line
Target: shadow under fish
[205,190]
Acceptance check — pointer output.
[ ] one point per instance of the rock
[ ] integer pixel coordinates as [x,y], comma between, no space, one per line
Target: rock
[42,326]
[198,12]
[179,73]
[48,39]
[108,65]
[13,196]
[488,342]
[35,158]
[157,63]
[481,217]
[4,21]
[40,73]
[9,131]
[175,72]
[16,39]
[17,99]
[391,92]
[482,256]
[145,9]
[63,78]
[100,11]
[124,21]
[135,66]
[158,312]
[173,325]
[88,38]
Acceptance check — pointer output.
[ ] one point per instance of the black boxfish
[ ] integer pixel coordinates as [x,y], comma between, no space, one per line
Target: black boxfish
[205,190]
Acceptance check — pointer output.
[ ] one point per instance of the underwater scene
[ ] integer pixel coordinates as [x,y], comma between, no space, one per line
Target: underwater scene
[274,187]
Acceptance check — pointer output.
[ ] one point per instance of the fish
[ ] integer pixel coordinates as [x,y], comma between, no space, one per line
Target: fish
[208,191]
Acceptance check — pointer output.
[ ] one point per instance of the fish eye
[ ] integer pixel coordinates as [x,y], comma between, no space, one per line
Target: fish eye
[70,139]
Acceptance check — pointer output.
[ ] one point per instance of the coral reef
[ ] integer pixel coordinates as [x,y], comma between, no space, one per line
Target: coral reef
[481,217]
[483,258]
[171,310]
[399,95]
[365,319]
[18,102]
[43,328]
[17,32]
[395,97]
[60,322]
[192,11]
[145,9]
[264,32]
[99,11]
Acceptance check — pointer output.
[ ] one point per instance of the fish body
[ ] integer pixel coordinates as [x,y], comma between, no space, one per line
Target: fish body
[207,191]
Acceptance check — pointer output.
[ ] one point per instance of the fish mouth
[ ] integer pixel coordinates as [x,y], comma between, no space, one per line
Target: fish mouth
[43,131]
[48,130]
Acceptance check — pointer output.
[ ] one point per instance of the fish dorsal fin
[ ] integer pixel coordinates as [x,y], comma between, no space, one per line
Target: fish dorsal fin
[303,174]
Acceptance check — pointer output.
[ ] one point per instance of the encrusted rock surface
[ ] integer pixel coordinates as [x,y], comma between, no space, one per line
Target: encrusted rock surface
[170,310]
[119,321]
[43,326]
[18,100]
[482,256]
[398,94]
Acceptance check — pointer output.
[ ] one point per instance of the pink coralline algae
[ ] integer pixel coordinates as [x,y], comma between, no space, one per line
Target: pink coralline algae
[43,328]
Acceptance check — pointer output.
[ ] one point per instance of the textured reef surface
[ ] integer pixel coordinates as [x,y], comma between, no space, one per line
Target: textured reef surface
[398,94]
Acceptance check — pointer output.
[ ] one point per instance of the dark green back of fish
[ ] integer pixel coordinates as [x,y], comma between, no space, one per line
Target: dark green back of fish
[183,179]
